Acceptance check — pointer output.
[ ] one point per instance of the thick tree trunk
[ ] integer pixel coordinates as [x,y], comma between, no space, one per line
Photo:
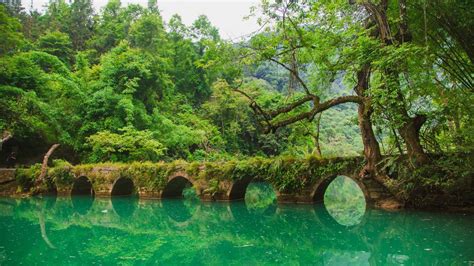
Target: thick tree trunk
[371,145]
[410,130]
[410,133]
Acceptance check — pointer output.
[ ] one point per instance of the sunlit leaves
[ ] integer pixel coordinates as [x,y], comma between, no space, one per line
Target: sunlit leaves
[58,44]
[129,145]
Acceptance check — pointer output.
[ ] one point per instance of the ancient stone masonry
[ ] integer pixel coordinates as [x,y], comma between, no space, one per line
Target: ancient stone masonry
[294,180]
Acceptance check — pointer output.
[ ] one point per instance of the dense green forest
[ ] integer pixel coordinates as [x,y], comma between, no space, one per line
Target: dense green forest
[329,78]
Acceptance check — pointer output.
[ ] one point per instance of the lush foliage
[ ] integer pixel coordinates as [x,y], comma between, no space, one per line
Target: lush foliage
[283,173]
[321,78]
[79,78]
[131,145]
[445,181]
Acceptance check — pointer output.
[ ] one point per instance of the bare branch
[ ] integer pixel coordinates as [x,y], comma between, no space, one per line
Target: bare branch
[5,139]
[44,166]
[255,107]
[294,73]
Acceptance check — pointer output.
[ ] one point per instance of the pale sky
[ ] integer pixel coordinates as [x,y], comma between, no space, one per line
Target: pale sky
[227,15]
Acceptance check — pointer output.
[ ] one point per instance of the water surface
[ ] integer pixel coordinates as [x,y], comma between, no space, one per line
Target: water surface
[127,231]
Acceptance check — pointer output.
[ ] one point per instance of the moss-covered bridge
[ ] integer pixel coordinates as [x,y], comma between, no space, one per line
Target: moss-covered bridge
[294,180]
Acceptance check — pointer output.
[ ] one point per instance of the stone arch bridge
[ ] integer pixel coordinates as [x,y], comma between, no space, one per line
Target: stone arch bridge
[294,180]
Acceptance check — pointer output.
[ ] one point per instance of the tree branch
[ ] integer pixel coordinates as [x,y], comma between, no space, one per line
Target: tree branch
[294,73]
[317,108]
[293,105]
[5,139]
[44,166]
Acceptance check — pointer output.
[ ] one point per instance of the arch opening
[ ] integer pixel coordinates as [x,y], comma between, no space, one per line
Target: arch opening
[344,200]
[123,187]
[82,187]
[238,189]
[179,187]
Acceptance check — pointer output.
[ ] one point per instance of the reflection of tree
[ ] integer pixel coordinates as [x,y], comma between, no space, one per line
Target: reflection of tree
[41,212]
[43,230]
[259,196]
[222,233]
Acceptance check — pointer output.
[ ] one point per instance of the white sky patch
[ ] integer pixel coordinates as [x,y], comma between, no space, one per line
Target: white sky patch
[226,15]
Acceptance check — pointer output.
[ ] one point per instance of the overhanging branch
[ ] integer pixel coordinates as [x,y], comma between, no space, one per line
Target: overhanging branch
[317,108]
[272,124]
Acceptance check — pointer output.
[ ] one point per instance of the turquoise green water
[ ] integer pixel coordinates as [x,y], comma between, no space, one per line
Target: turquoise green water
[126,231]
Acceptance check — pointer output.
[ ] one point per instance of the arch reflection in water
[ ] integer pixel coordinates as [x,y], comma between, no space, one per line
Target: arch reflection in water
[179,210]
[260,197]
[124,207]
[345,201]
[82,195]
[82,204]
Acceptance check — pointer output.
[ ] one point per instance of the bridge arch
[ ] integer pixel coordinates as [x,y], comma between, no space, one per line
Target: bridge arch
[321,186]
[175,186]
[82,186]
[238,189]
[341,212]
[123,186]
[257,202]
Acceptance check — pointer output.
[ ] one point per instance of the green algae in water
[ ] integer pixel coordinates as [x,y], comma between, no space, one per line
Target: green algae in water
[128,231]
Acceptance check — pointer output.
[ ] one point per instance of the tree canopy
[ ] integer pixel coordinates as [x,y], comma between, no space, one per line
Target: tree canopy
[330,78]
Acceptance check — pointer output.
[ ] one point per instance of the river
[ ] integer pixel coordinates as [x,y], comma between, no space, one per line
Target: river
[128,231]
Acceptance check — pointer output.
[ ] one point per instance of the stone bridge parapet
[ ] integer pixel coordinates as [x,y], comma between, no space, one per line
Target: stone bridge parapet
[294,180]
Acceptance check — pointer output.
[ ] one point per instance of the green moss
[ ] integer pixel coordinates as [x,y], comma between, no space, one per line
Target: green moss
[447,180]
[213,187]
[152,176]
[287,174]
[27,176]
[192,169]
[61,173]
